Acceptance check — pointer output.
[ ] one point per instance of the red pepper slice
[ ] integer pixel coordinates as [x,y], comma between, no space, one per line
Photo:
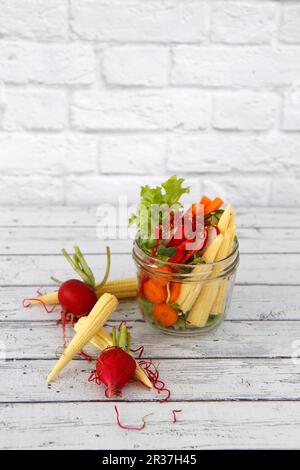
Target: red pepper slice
[177,257]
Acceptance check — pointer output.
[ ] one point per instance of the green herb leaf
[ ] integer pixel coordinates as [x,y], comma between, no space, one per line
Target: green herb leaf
[214,217]
[164,251]
[196,259]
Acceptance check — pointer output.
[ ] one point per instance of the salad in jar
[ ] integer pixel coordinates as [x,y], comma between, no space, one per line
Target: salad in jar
[186,258]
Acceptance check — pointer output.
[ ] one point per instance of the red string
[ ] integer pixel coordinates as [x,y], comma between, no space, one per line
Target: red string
[69,319]
[94,377]
[39,292]
[130,428]
[85,356]
[27,303]
[174,415]
[140,350]
[153,375]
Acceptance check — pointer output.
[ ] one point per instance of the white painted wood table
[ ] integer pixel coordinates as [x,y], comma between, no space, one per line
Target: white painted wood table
[237,387]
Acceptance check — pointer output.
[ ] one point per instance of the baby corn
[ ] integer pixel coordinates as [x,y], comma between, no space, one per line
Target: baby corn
[98,316]
[200,311]
[121,288]
[219,302]
[231,223]
[50,299]
[190,291]
[103,340]
[224,219]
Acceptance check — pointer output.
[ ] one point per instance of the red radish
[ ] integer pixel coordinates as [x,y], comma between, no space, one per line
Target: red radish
[76,297]
[79,297]
[115,367]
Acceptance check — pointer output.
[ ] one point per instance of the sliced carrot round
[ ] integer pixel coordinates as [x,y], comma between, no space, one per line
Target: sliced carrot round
[154,292]
[141,281]
[174,292]
[165,314]
[161,280]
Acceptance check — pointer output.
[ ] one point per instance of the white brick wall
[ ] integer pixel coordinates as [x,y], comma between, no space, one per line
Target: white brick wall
[100,96]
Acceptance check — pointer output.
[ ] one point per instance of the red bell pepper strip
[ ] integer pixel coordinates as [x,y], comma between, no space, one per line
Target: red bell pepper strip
[177,257]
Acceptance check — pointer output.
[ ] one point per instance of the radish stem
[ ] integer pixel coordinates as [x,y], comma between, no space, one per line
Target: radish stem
[108,263]
[76,264]
[57,281]
[122,339]
[84,265]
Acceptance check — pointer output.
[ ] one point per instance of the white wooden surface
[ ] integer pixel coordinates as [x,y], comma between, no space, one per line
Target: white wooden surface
[237,386]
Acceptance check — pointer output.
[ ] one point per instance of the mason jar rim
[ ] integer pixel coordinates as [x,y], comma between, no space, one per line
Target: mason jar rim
[225,266]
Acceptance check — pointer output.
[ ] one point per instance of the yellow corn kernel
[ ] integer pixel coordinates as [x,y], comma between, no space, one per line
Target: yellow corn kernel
[98,316]
[100,340]
[121,288]
[190,291]
[103,340]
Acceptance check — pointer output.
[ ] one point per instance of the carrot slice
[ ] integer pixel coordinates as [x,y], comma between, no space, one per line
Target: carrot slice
[154,292]
[165,314]
[174,291]
[205,200]
[161,280]
[141,282]
[213,206]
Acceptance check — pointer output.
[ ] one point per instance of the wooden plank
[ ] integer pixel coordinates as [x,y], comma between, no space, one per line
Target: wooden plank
[36,270]
[32,270]
[196,380]
[62,216]
[231,339]
[248,303]
[51,216]
[45,240]
[212,425]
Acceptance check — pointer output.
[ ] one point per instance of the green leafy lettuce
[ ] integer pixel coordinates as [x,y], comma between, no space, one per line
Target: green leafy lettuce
[154,208]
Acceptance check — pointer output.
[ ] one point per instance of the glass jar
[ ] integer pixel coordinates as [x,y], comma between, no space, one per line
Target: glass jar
[184,299]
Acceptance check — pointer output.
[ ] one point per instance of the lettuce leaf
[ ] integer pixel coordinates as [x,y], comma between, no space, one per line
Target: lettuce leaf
[163,197]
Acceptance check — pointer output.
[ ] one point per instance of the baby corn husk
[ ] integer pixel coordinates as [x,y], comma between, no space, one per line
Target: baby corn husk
[103,340]
[190,291]
[98,316]
[200,311]
[224,219]
[219,303]
[121,288]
